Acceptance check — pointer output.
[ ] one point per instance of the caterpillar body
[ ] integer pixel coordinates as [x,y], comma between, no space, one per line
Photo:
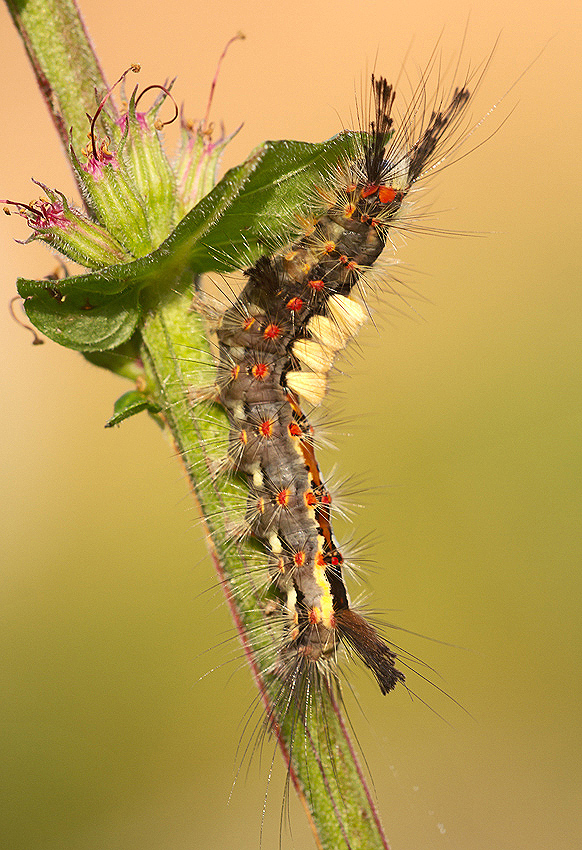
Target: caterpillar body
[277,344]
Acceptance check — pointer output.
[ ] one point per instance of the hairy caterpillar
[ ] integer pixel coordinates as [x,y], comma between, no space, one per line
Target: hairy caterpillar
[277,343]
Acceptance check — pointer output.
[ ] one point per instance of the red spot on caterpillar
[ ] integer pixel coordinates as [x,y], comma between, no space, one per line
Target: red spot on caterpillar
[272,331]
[314,616]
[243,437]
[295,430]
[265,429]
[299,558]
[349,210]
[235,372]
[386,194]
[260,371]
[373,222]
[369,190]
[282,498]
[281,565]
[310,499]
[248,323]
[350,264]
[318,285]
[325,499]
[328,247]
[295,304]
[320,560]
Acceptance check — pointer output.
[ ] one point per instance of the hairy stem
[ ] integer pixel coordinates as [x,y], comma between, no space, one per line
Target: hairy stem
[63,60]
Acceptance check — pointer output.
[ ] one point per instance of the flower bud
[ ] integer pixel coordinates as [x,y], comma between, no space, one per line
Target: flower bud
[113,198]
[197,163]
[69,231]
[154,179]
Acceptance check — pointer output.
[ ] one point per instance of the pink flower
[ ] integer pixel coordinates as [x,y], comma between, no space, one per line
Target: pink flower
[100,157]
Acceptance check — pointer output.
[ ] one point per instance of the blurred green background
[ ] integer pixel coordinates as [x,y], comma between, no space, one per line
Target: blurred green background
[467,438]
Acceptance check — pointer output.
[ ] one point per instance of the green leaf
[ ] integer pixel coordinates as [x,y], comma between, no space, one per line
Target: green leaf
[124,360]
[129,404]
[83,321]
[250,212]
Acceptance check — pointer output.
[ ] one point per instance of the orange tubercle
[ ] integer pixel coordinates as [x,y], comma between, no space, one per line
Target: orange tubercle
[310,499]
[314,616]
[299,558]
[295,304]
[260,371]
[272,331]
[266,428]
[350,264]
[369,190]
[386,194]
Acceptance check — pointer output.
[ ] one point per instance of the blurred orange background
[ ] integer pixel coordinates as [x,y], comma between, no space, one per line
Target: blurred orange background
[470,427]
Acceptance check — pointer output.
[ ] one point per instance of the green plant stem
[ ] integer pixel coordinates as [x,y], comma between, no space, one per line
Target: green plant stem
[65,65]
[176,354]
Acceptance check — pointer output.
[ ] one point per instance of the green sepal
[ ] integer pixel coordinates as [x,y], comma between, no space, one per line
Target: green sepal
[73,234]
[196,166]
[130,404]
[114,199]
[151,171]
